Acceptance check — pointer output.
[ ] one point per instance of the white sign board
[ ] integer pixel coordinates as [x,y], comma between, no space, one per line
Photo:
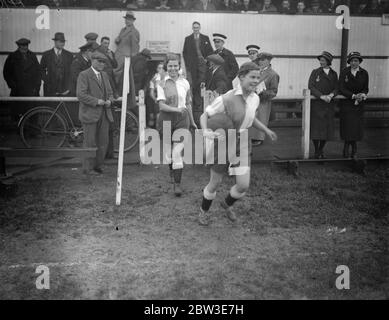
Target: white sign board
[158,46]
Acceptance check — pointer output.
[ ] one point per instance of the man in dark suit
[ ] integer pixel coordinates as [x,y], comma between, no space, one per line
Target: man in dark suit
[95,95]
[22,71]
[217,80]
[230,66]
[55,65]
[196,47]
[110,64]
[81,62]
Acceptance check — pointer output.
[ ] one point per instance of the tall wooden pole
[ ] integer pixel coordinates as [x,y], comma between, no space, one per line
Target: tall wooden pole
[126,90]
[345,37]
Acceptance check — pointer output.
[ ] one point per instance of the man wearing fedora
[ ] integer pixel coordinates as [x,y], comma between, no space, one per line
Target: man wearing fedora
[55,65]
[230,66]
[127,45]
[216,80]
[22,71]
[96,97]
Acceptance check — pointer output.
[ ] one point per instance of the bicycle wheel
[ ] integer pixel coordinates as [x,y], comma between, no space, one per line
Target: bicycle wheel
[37,131]
[131,133]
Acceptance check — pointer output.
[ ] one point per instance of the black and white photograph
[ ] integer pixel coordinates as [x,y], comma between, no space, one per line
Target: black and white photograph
[194,150]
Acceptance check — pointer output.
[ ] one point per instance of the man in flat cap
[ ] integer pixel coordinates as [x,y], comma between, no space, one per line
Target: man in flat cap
[217,80]
[110,65]
[96,97]
[267,90]
[127,46]
[230,66]
[252,51]
[55,65]
[91,37]
[81,62]
[22,71]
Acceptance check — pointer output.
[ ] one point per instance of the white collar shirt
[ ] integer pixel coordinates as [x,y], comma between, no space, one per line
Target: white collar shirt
[182,86]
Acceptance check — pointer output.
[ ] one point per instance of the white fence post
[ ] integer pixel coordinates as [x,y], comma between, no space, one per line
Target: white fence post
[306,119]
[142,124]
[126,89]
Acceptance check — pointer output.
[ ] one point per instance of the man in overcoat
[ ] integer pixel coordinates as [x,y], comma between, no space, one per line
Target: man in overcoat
[22,71]
[127,46]
[230,66]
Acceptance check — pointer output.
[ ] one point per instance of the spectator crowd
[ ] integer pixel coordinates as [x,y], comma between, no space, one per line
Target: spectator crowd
[359,7]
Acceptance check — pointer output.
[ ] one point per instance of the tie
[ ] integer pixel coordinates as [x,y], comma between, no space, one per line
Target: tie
[99,77]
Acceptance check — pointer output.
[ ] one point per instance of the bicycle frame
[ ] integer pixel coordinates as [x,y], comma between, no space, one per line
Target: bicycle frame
[68,118]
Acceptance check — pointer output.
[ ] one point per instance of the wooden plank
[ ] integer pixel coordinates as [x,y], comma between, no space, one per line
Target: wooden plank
[48,152]
[384,158]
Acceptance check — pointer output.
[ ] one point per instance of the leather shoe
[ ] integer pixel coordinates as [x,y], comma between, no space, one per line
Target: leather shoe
[98,170]
[230,213]
[203,218]
[177,190]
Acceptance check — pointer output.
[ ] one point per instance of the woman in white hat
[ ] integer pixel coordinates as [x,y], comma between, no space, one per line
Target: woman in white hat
[323,84]
[354,85]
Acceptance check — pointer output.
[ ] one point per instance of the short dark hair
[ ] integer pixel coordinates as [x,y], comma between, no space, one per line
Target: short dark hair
[170,57]
[196,22]
[246,67]
[104,38]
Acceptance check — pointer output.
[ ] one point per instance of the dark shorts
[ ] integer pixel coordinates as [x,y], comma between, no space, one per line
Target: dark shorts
[177,120]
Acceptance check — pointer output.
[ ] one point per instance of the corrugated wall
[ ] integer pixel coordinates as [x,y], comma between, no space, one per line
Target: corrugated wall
[279,34]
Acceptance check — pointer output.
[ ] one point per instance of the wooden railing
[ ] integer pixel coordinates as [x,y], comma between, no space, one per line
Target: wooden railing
[305,110]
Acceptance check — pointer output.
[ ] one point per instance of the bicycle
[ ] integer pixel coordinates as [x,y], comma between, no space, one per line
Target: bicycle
[46,127]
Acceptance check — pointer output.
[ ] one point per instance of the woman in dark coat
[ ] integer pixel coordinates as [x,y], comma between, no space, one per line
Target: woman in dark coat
[354,85]
[323,84]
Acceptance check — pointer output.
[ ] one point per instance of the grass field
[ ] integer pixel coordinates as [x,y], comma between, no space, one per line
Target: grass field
[284,246]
